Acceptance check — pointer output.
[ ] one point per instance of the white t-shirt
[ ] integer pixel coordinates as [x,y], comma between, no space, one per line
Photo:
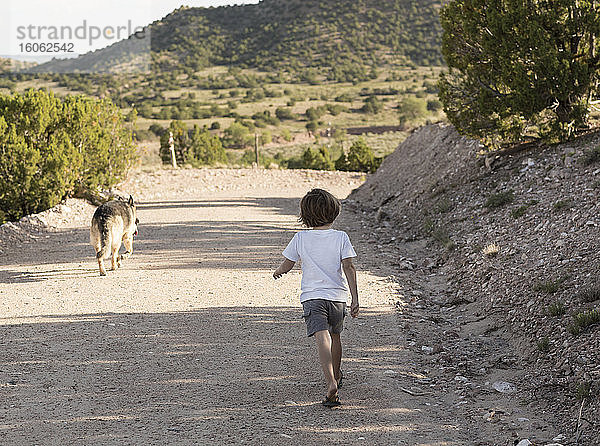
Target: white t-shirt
[321,252]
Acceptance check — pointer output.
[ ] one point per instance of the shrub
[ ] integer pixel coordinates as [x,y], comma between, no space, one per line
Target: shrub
[499,199]
[205,149]
[550,286]
[344,97]
[142,135]
[360,158]
[584,320]
[284,113]
[544,345]
[519,212]
[286,135]
[237,135]
[411,109]
[591,294]
[372,105]
[50,149]
[562,204]
[312,126]
[157,129]
[317,159]
[592,156]
[434,105]
[314,113]
[556,309]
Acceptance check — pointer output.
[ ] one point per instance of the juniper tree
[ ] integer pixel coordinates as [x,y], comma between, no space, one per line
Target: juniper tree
[519,67]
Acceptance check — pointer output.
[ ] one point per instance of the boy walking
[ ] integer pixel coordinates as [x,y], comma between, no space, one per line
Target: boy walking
[324,253]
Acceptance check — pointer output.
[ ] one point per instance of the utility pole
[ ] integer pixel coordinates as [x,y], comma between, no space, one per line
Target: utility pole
[172,149]
[256,148]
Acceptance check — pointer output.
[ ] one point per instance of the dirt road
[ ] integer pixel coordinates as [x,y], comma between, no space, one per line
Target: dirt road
[193,342]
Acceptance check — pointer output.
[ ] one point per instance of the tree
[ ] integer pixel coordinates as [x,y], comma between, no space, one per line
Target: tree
[411,109]
[205,149]
[284,113]
[519,67]
[360,157]
[372,105]
[51,149]
[317,159]
[237,135]
[311,127]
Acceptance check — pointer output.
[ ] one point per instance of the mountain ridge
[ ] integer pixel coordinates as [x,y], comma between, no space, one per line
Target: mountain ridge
[283,35]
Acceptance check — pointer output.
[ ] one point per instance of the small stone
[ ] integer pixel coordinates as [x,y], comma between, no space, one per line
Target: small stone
[504,387]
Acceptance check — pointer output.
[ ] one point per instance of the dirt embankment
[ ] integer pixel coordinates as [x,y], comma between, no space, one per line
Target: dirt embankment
[539,211]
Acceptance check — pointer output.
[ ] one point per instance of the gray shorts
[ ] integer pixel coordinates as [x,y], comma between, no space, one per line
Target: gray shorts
[321,314]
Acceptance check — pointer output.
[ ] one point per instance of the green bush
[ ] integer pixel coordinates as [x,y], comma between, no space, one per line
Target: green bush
[196,148]
[434,105]
[583,321]
[411,108]
[372,105]
[249,158]
[205,149]
[499,199]
[237,135]
[157,129]
[360,158]
[284,113]
[50,149]
[317,159]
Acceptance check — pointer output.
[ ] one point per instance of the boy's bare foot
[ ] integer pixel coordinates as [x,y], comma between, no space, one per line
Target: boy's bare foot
[332,401]
[331,392]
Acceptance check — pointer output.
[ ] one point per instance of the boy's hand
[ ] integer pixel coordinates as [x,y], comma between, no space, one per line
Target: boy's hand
[284,268]
[354,309]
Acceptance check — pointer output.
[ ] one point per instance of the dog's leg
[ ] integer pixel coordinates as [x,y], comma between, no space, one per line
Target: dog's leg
[115,259]
[128,242]
[101,264]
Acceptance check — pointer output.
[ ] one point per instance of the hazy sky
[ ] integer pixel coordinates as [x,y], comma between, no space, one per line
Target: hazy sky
[29,21]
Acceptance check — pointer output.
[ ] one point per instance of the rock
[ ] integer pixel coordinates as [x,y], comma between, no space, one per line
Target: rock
[504,387]
[524,443]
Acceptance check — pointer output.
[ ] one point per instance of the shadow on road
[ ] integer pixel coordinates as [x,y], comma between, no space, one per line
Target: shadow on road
[185,241]
[213,376]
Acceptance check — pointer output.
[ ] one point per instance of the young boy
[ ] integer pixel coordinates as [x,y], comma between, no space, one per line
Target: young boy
[324,253]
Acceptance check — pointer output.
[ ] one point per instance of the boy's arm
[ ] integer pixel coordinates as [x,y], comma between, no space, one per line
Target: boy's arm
[350,272]
[284,268]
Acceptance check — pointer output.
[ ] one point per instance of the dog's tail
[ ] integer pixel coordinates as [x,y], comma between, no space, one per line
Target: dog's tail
[104,239]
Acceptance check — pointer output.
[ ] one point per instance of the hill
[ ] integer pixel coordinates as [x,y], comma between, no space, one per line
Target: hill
[341,35]
[516,245]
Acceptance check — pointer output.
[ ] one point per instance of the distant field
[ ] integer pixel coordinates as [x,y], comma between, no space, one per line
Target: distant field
[290,136]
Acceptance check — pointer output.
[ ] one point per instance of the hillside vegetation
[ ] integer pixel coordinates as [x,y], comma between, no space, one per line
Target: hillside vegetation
[344,36]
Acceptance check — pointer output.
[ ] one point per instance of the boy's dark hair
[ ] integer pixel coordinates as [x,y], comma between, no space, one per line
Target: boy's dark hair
[318,208]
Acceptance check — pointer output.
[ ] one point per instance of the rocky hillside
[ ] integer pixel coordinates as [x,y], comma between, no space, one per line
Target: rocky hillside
[279,34]
[518,239]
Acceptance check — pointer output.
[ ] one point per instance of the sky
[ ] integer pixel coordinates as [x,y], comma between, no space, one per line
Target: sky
[32,21]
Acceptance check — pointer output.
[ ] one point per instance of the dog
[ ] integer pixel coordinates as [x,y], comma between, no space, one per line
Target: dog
[113,222]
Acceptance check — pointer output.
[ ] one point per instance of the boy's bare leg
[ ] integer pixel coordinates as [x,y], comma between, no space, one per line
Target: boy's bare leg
[325,358]
[336,355]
